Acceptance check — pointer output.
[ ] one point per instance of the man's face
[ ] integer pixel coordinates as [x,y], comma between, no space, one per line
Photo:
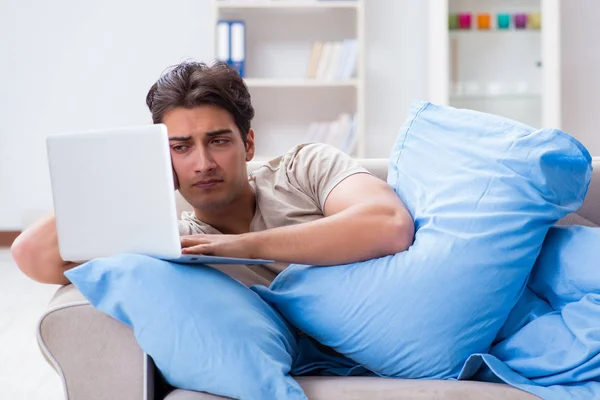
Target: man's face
[209,156]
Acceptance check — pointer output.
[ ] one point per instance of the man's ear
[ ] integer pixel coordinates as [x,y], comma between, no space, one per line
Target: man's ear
[250,148]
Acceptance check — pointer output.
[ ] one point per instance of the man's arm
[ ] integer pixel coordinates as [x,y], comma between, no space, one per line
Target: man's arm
[36,253]
[364,219]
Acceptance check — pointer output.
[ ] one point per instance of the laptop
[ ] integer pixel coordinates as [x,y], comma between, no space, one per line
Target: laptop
[113,193]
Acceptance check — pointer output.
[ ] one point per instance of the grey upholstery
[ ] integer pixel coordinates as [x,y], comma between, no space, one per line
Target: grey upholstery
[91,351]
[367,388]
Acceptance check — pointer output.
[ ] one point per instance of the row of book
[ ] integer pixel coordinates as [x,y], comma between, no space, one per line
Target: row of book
[340,133]
[333,60]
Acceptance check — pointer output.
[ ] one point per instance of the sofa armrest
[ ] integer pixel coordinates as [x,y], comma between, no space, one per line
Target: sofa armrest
[590,210]
[96,356]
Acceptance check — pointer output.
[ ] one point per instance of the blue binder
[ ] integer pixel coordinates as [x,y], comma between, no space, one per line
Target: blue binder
[223,42]
[231,44]
[237,37]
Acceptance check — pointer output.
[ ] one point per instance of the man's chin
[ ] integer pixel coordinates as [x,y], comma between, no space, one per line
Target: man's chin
[210,204]
[209,201]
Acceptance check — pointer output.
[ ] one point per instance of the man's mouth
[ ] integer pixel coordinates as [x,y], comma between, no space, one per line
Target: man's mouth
[207,184]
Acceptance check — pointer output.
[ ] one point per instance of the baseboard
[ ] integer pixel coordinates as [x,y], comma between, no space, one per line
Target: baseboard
[7,237]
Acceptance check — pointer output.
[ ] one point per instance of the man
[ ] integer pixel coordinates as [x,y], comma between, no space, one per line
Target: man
[313,205]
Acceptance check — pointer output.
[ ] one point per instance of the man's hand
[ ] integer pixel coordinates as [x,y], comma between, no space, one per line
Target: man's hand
[217,245]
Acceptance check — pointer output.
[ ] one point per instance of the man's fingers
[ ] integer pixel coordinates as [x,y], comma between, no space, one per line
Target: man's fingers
[197,249]
[187,241]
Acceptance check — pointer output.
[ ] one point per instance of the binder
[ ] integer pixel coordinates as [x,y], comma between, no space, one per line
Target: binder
[223,53]
[231,44]
[238,46]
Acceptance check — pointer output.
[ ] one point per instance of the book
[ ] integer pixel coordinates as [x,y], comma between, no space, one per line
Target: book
[340,133]
[332,60]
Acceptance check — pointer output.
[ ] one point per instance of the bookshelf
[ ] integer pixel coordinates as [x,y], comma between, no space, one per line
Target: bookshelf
[510,68]
[294,86]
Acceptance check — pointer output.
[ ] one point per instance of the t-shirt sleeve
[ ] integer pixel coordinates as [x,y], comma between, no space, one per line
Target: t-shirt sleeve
[317,168]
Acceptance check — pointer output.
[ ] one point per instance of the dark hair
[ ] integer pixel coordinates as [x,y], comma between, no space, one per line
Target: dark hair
[192,84]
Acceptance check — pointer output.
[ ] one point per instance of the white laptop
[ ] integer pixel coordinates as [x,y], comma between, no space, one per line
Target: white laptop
[113,193]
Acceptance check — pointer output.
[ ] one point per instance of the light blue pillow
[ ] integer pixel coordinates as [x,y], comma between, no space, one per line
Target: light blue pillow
[483,191]
[204,330]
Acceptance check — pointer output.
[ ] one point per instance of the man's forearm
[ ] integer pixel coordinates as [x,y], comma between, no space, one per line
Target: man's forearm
[359,233]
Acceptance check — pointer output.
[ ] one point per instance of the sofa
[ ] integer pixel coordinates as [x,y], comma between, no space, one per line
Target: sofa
[98,358]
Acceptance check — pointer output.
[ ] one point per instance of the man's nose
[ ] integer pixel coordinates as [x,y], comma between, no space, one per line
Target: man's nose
[204,160]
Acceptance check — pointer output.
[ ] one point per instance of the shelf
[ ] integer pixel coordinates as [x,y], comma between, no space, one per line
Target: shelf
[279,4]
[464,32]
[261,158]
[492,97]
[298,83]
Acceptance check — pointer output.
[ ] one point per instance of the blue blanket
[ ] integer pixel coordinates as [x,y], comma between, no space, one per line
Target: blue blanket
[550,344]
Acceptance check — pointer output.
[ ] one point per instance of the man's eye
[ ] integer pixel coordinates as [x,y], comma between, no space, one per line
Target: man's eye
[179,148]
[221,141]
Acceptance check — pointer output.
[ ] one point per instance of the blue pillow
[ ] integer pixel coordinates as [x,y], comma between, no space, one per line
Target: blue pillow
[483,191]
[204,330]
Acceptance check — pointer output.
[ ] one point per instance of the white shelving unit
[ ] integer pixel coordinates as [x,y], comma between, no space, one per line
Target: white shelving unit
[279,39]
[510,72]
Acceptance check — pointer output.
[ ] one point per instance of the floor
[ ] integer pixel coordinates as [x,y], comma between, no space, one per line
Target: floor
[24,374]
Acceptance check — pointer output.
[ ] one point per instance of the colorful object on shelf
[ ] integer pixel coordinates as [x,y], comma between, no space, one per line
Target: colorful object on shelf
[452,21]
[464,20]
[520,20]
[535,20]
[503,21]
[483,21]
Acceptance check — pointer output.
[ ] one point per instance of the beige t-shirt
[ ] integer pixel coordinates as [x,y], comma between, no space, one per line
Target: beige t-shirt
[290,189]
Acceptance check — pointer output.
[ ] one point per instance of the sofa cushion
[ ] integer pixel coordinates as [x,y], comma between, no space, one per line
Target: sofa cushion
[483,191]
[368,388]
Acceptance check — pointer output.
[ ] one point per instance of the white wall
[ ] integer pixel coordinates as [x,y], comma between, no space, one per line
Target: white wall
[70,65]
[396,67]
[581,71]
